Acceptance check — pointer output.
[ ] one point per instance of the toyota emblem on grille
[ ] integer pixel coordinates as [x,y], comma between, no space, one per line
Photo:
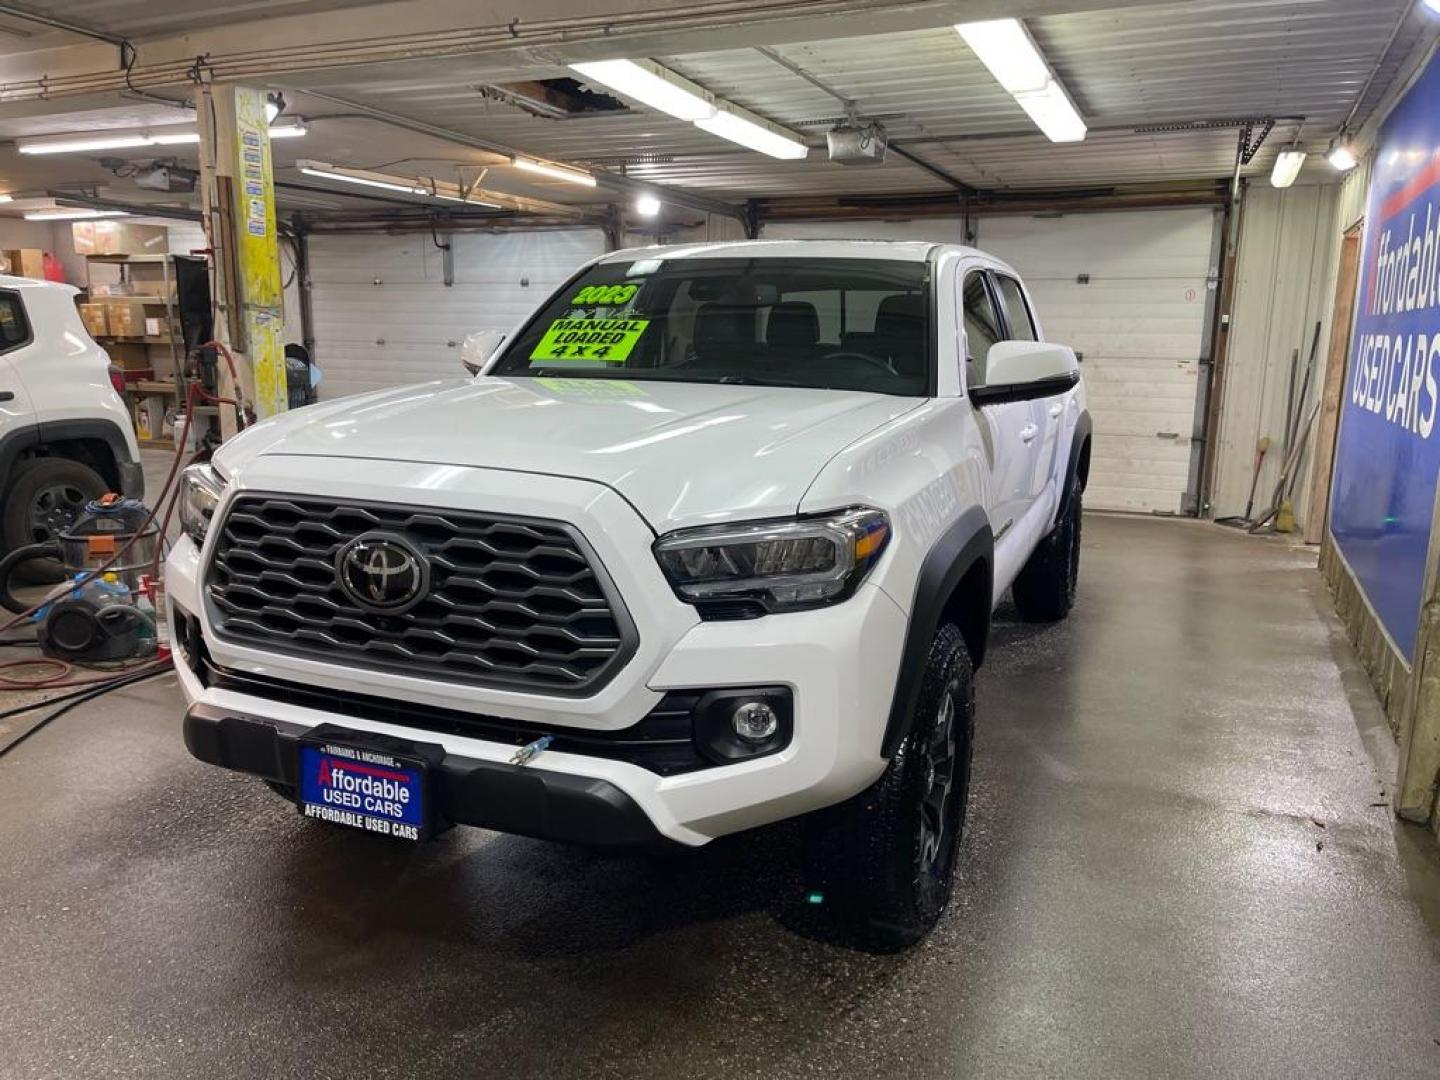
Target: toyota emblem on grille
[382,572]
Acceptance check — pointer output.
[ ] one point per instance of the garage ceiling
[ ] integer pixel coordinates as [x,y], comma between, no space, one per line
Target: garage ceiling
[1128,64]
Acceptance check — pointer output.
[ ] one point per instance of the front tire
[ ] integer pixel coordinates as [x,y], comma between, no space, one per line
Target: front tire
[884,861]
[1044,590]
[46,496]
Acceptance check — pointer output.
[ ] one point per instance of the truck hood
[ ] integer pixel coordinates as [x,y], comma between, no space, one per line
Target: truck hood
[681,453]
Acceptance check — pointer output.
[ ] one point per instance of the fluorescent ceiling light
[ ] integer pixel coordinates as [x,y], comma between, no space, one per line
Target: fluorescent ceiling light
[472,201]
[173,135]
[555,172]
[647,205]
[1342,157]
[1053,112]
[78,143]
[1433,5]
[174,138]
[331,172]
[435,189]
[7,198]
[63,214]
[755,134]
[650,84]
[1287,167]
[1006,48]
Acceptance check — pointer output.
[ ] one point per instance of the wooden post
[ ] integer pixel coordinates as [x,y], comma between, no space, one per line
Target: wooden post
[1420,718]
[1342,322]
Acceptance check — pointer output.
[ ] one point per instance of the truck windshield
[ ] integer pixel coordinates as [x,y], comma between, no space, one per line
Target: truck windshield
[839,324]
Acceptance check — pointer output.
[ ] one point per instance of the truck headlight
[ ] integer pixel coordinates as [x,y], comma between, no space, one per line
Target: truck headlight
[784,565]
[200,490]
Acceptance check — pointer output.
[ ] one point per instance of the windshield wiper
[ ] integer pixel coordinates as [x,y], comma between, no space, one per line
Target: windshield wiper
[751,380]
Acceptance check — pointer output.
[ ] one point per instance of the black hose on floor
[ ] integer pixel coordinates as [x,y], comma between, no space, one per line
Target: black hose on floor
[70,700]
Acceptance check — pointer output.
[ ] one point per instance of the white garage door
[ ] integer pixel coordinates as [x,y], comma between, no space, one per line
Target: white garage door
[383,315]
[1128,291]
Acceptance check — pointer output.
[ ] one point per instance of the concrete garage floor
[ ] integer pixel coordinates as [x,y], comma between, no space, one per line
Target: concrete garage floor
[1180,863]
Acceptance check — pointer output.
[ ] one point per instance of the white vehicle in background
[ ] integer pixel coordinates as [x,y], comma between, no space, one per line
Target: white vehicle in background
[66,436]
[712,542]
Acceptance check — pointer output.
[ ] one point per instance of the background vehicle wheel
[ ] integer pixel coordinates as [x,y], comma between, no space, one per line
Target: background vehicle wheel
[885,860]
[1044,590]
[46,496]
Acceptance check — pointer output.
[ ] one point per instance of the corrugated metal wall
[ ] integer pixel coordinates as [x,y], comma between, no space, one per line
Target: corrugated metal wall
[1285,281]
[384,316]
[1128,290]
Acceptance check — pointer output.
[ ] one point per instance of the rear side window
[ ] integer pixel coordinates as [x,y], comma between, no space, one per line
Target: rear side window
[14,327]
[982,328]
[1017,311]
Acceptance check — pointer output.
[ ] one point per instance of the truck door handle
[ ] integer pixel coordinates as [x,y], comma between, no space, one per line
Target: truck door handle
[1056,409]
[1028,433]
[7,395]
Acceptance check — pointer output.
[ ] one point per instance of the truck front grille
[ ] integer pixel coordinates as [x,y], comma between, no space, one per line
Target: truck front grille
[514,603]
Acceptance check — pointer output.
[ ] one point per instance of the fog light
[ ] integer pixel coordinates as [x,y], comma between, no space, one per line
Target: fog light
[754,721]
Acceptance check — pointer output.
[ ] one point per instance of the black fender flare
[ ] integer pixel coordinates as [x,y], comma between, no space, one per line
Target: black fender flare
[109,432]
[967,542]
[1079,438]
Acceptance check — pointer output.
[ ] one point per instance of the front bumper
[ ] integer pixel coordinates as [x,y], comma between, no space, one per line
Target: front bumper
[839,663]
[489,794]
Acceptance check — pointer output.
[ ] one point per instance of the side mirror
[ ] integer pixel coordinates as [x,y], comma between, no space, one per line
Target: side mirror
[1025,370]
[477,349]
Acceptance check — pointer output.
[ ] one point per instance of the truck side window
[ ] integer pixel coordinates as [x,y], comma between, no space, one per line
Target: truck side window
[1022,326]
[14,329]
[982,328]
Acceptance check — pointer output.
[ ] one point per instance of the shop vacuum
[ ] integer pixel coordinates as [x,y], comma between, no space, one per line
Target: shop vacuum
[98,615]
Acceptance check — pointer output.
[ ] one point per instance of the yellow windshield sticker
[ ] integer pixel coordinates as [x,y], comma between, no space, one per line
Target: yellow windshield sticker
[606,341]
[604,295]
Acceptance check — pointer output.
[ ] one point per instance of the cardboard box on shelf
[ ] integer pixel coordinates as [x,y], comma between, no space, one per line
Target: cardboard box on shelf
[96,318]
[132,356]
[126,318]
[25,262]
[119,238]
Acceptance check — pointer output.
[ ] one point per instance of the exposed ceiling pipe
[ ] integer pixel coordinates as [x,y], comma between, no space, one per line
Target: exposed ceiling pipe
[613,181]
[280,61]
[61,24]
[137,209]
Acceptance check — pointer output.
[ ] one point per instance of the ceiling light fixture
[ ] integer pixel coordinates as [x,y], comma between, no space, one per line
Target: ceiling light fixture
[135,138]
[754,133]
[555,172]
[647,205]
[73,144]
[1433,5]
[652,85]
[7,198]
[1288,164]
[64,214]
[359,176]
[1341,156]
[1008,51]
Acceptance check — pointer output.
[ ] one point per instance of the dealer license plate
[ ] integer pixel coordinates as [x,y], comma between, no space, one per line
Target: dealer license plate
[366,786]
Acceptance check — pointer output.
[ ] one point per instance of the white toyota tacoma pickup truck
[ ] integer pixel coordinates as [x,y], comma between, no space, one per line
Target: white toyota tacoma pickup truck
[712,541]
